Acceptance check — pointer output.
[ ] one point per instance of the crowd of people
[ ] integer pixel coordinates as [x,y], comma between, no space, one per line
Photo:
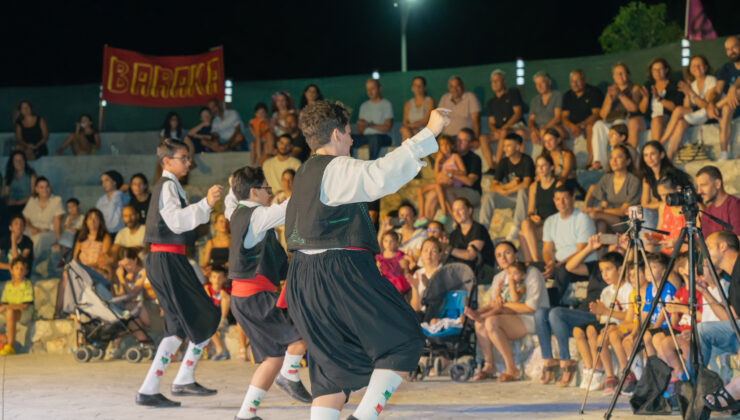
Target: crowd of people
[556,239]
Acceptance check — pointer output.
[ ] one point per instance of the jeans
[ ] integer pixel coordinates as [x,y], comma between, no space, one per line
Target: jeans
[559,321]
[563,278]
[517,201]
[373,141]
[716,337]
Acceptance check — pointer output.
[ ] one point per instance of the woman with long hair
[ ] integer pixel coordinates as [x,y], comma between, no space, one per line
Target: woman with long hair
[660,96]
[654,165]
[31,132]
[310,94]
[138,190]
[19,182]
[282,105]
[417,110]
[85,140]
[172,129]
[43,213]
[541,206]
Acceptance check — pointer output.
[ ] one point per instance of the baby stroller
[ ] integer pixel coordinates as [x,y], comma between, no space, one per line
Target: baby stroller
[101,320]
[450,290]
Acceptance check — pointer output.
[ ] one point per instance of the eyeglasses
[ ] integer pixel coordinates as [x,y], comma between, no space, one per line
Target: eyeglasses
[432,230]
[183,158]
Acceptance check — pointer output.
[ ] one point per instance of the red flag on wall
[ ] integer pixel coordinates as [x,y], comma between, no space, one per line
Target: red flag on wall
[698,24]
[132,78]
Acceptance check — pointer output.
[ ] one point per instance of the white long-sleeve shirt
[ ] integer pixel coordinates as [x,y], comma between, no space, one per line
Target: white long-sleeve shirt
[263,218]
[181,219]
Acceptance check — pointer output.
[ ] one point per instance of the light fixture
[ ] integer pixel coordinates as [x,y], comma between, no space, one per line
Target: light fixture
[685,52]
[103,103]
[228,90]
[519,72]
[376,75]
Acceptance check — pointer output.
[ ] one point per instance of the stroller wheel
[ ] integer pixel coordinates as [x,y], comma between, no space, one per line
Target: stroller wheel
[83,354]
[134,355]
[460,372]
[98,353]
[147,353]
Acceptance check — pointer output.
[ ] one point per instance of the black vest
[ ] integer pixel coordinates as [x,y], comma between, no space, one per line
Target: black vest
[310,224]
[267,258]
[157,231]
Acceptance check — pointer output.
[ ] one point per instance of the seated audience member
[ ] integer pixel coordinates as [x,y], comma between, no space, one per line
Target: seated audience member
[172,129]
[139,195]
[375,121]
[220,295]
[216,252]
[16,302]
[563,159]
[410,236]
[517,293]
[19,182]
[464,107]
[711,188]
[300,147]
[282,106]
[581,106]
[131,236]
[540,207]
[581,265]
[85,140]
[31,133]
[654,165]
[660,96]
[112,202]
[71,224]
[43,214]
[618,135]
[262,138]
[447,163]
[670,218]
[693,111]
[286,186]
[589,336]
[544,109]
[620,106]
[469,239]
[311,94]
[392,263]
[94,243]
[226,128]
[431,253]
[719,337]
[725,109]
[510,185]
[200,133]
[607,201]
[130,281]
[15,245]
[416,111]
[504,117]
[276,165]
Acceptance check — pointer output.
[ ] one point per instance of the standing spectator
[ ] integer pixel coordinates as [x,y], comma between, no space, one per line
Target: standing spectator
[226,128]
[282,105]
[446,164]
[311,94]
[417,110]
[607,201]
[726,109]
[15,245]
[131,236]
[620,106]
[545,108]
[510,185]
[711,188]
[201,133]
[259,126]
[19,181]
[16,302]
[694,108]
[504,117]
[217,248]
[85,140]
[660,96]
[581,106]
[654,165]
[31,133]
[43,214]
[139,195]
[464,106]
[286,182]
[111,203]
[375,120]
[300,146]
[564,160]
[276,165]
[541,206]
[469,238]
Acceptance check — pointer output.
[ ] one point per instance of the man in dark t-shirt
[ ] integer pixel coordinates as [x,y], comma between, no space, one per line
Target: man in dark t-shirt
[469,238]
[581,105]
[300,147]
[470,188]
[510,186]
[726,108]
[504,116]
[15,244]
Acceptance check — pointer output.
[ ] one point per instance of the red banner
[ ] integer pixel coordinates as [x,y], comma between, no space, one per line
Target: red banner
[135,79]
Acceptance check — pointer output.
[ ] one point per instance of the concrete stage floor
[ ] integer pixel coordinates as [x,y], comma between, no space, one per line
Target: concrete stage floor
[56,387]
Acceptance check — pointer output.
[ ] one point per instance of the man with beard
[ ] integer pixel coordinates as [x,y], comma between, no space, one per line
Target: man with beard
[132,236]
[276,165]
[710,186]
[300,147]
[728,83]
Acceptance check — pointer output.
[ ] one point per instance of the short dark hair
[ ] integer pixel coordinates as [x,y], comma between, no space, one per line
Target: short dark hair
[469,132]
[564,188]
[711,171]
[289,171]
[319,120]
[520,266]
[218,268]
[392,233]
[422,78]
[514,137]
[406,203]
[128,253]
[553,132]
[465,201]
[17,216]
[115,176]
[244,179]
[620,129]
[286,136]
[660,258]
[38,180]
[73,200]
[18,260]
[433,241]
[612,257]
[507,243]
[729,238]
[167,149]
[260,105]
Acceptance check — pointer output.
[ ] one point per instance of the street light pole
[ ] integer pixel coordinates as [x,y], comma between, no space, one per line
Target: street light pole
[404,19]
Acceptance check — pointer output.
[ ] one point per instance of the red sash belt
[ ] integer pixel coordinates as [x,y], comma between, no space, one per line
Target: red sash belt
[171,248]
[249,287]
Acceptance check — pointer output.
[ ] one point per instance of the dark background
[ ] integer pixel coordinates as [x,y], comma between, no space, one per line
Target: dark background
[61,42]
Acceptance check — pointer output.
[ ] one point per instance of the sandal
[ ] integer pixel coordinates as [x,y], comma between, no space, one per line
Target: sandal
[568,373]
[483,375]
[723,393]
[507,377]
[548,373]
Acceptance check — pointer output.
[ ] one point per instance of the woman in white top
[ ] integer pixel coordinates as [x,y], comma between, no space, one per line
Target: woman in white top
[431,251]
[693,111]
[282,105]
[417,110]
[43,213]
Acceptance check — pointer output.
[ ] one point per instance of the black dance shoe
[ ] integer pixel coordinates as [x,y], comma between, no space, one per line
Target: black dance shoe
[155,400]
[296,390]
[192,390]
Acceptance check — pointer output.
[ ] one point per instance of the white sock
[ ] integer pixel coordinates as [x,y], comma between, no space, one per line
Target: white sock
[291,363]
[167,348]
[251,402]
[383,383]
[189,361]
[324,413]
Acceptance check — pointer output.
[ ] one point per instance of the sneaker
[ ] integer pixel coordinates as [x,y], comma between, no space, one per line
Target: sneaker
[598,380]
[223,356]
[723,156]
[610,384]
[421,223]
[443,219]
[629,385]
[8,349]
[587,373]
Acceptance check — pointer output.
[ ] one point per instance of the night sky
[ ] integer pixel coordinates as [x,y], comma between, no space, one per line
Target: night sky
[61,42]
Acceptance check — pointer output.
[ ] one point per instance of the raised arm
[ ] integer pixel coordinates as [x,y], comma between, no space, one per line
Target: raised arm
[184,219]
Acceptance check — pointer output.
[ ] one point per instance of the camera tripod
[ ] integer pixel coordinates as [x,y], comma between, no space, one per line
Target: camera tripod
[693,234]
